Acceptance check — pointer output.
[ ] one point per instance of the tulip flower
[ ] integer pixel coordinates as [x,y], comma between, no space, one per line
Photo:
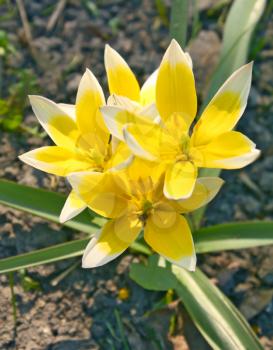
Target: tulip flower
[82,141]
[80,136]
[175,142]
[135,203]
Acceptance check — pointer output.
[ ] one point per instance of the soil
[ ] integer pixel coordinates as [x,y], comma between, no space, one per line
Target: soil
[68,307]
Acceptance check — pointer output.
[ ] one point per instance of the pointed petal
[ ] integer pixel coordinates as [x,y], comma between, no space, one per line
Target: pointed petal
[206,188]
[56,160]
[100,192]
[180,180]
[147,92]
[169,235]
[175,87]
[121,79]
[230,150]
[226,107]
[56,122]
[89,99]
[72,207]
[114,238]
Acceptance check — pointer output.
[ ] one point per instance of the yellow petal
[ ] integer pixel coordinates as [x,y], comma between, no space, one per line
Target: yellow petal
[144,140]
[117,117]
[121,79]
[121,158]
[114,238]
[56,160]
[169,235]
[226,107]
[230,150]
[147,92]
[206,188]
[175,87]
[89,99]
[100,192]
[180,180]
[72,207]
[141,168]
[57,123]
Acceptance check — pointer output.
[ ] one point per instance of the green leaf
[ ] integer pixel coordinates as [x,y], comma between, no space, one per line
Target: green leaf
[179,21]
[152,277]
[233,236]
[44,256]
[221,324]
[46,204]
[242,19]
[240,23]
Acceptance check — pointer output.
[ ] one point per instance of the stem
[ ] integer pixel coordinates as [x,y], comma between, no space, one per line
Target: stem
[13,299]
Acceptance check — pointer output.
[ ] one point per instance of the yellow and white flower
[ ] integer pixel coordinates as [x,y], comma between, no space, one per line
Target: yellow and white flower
[212,143]
[134,203]
[82,141]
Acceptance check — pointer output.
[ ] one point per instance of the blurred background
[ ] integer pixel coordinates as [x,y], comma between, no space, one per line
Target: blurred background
[45,47]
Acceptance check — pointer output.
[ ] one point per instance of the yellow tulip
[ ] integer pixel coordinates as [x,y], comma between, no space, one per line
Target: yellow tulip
[80,136]
[135,203]
[82,141]
[211,144]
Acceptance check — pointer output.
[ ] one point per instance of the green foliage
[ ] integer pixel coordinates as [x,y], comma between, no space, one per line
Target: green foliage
[28,283]
[5,46]
[237,235]
[221,324]
[216,317]
[11,109]
[162,11]
[240,23]
[44,256]
[152,276]
[46,204]
[179,21]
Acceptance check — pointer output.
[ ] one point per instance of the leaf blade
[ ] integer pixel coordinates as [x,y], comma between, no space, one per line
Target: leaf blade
[233,236]
[221,324]
[45,204]
[43,256]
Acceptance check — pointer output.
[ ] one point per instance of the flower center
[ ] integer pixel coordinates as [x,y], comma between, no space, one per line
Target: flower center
[145,211]
[184,149]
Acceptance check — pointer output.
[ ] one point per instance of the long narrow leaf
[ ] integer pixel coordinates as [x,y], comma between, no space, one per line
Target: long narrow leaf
[179,21]
[215,316]
[55,253]
[233,236]
[44,256]
[46,204]
[240,24]
[241,21]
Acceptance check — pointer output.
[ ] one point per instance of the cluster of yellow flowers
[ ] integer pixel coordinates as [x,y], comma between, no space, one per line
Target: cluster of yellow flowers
[135,159]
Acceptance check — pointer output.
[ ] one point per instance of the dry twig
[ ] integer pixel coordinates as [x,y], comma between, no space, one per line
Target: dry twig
[55,15]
